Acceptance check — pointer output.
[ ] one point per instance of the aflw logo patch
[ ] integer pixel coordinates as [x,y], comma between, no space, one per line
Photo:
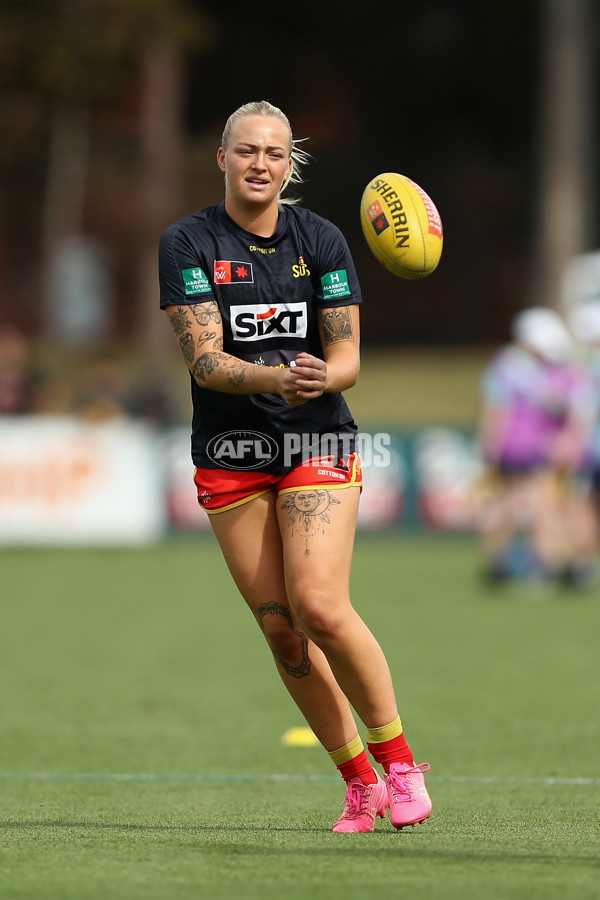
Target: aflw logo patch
[377,217]
[230,271]
[256,322]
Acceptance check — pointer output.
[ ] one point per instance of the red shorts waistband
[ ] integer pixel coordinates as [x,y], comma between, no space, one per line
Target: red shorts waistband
[223,489]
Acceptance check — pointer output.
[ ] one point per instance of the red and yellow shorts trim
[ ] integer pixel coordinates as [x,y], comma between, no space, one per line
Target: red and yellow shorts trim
[223,489]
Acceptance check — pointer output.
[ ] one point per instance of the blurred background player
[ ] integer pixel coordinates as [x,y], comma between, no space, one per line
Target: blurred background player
[584,320]
[286,524]
[17,377]
[534,431]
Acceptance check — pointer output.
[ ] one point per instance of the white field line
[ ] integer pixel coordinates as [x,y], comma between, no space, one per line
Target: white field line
[306,779]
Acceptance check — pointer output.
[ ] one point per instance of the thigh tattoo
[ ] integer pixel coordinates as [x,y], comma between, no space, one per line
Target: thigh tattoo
[308,512]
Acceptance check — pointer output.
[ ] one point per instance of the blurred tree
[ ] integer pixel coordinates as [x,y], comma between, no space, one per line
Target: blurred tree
[448,91]
[568,116]
[77,67]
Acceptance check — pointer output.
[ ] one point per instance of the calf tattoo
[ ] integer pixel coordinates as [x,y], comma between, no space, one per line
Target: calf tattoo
[278,609]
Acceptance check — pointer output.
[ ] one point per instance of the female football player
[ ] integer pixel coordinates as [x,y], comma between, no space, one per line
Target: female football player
[263,298]
[535,426]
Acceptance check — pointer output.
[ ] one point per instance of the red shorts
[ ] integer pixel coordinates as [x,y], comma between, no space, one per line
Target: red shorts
[222,489]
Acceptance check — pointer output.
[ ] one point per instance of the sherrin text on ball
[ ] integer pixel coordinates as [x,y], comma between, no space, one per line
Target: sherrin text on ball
[401,225]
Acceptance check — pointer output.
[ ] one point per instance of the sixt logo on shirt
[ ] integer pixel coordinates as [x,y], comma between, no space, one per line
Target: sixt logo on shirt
[253,323]
[230,271]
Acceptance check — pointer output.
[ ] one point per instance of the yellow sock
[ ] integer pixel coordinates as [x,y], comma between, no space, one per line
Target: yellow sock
[385,732]
[387,745]
[352,762]
[347,752]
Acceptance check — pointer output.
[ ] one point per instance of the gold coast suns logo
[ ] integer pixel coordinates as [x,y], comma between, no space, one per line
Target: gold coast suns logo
[301,269]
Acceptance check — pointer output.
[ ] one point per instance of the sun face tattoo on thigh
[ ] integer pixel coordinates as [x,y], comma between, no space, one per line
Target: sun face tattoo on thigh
[308,511]
[278,609]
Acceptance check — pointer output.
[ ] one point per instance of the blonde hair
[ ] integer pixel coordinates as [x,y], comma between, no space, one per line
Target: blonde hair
[299,157]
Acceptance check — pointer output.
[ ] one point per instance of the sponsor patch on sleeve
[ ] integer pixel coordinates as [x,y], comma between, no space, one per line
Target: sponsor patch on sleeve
[231,271]
[195,282]
[335,285]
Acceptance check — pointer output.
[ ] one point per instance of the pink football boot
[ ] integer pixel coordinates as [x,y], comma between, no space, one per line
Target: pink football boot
[363,803]
[410,803]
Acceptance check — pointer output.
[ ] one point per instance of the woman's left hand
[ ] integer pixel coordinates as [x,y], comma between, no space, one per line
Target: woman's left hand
[310,376]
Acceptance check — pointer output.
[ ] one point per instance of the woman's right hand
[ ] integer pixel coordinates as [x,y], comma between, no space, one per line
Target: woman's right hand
[287,386]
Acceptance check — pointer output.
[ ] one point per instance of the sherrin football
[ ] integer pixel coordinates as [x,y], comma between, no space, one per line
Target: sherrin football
[401,225]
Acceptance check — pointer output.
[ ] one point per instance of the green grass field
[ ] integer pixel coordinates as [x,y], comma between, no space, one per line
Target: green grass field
[142,717]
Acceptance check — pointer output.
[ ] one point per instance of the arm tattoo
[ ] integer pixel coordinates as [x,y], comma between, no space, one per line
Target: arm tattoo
[278,609]
[235,369]
[182,327]
[186,342]
[206,312]
[180,321]
[337,325]
[206,364]
[206,336]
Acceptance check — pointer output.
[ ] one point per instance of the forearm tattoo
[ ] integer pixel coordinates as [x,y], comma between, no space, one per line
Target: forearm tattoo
[234,369]
[278,609]
[337,325]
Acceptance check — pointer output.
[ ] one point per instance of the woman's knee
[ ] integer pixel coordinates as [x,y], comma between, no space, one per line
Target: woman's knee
[321,614]
[284,637]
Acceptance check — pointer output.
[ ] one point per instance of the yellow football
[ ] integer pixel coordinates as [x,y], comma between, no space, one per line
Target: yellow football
[401,225]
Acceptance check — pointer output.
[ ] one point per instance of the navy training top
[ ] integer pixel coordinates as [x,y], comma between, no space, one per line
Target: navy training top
[268,291]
